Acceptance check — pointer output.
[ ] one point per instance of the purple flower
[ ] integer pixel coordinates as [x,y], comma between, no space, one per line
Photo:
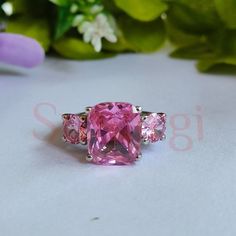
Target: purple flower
[20,50]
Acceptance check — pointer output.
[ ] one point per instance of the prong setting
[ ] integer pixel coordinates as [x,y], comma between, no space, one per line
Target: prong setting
[65,116]
[88,109]
[89,158]
[139,157]
[146,142]
[83,118]
[141,128]
[163,138]
[139,109]
[64,139]
[83,142]
[144,118]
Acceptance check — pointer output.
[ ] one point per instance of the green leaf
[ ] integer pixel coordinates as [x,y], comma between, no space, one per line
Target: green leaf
[35,8]
[61,2]
[180,37]
[143,10]
[196,16]
[64,21]
[214,51]
[76,49]
[196,51]
[2,14]
[111,7]
[19,6]
[137,36]
[143,36]
[207,64]
[227,11]
[230,42]
[223,41]
[34,28]
[121,45]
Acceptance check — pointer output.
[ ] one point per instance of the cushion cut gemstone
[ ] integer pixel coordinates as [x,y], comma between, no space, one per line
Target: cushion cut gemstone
[75,128]
[153,127]
[114,133]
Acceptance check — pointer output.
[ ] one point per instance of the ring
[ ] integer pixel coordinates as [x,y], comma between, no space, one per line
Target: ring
[114,131]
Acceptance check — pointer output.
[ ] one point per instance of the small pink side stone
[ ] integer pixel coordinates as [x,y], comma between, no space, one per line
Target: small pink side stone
[153,127]
[114,133]
[74,129]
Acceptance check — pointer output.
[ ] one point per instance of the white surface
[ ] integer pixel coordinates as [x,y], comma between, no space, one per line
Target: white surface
[46,190]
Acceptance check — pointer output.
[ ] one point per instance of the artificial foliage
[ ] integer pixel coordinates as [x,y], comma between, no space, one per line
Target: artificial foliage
[203,30]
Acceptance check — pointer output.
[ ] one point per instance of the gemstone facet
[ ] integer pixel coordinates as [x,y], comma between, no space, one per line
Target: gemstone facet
[114,133]
[153,126]
[75,128]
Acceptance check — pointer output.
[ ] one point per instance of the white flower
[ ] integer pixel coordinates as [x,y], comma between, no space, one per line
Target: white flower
[78,20]
[96,9]
[7,7]
[94,31]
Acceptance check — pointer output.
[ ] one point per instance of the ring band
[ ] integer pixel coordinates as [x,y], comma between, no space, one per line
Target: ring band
[114,131]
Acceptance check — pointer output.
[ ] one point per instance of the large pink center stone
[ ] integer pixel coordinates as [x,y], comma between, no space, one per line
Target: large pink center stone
[114,133]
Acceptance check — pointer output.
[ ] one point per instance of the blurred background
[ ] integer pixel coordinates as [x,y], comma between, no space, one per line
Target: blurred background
[203,30]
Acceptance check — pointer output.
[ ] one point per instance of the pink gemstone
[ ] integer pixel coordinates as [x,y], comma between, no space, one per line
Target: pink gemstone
[74,128]
[153,127]
[114,133]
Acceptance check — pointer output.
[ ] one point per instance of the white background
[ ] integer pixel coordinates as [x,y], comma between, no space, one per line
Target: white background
[46,189]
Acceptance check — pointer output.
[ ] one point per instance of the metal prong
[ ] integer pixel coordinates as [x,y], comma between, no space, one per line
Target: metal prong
[163,137]
[64,139]
[146,142]
[163,115]
[139,109]
[89,157]
[88,109]
[139,157]
[65,116]
[83,119]
[83,143]
[144,118]
[83,116]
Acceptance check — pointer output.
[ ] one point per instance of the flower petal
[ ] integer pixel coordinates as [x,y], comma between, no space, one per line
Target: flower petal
[20,50]
[97,43]
[87,36]
[96,9]
[84,27]
[78,19]
[111,38]
[101,19]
